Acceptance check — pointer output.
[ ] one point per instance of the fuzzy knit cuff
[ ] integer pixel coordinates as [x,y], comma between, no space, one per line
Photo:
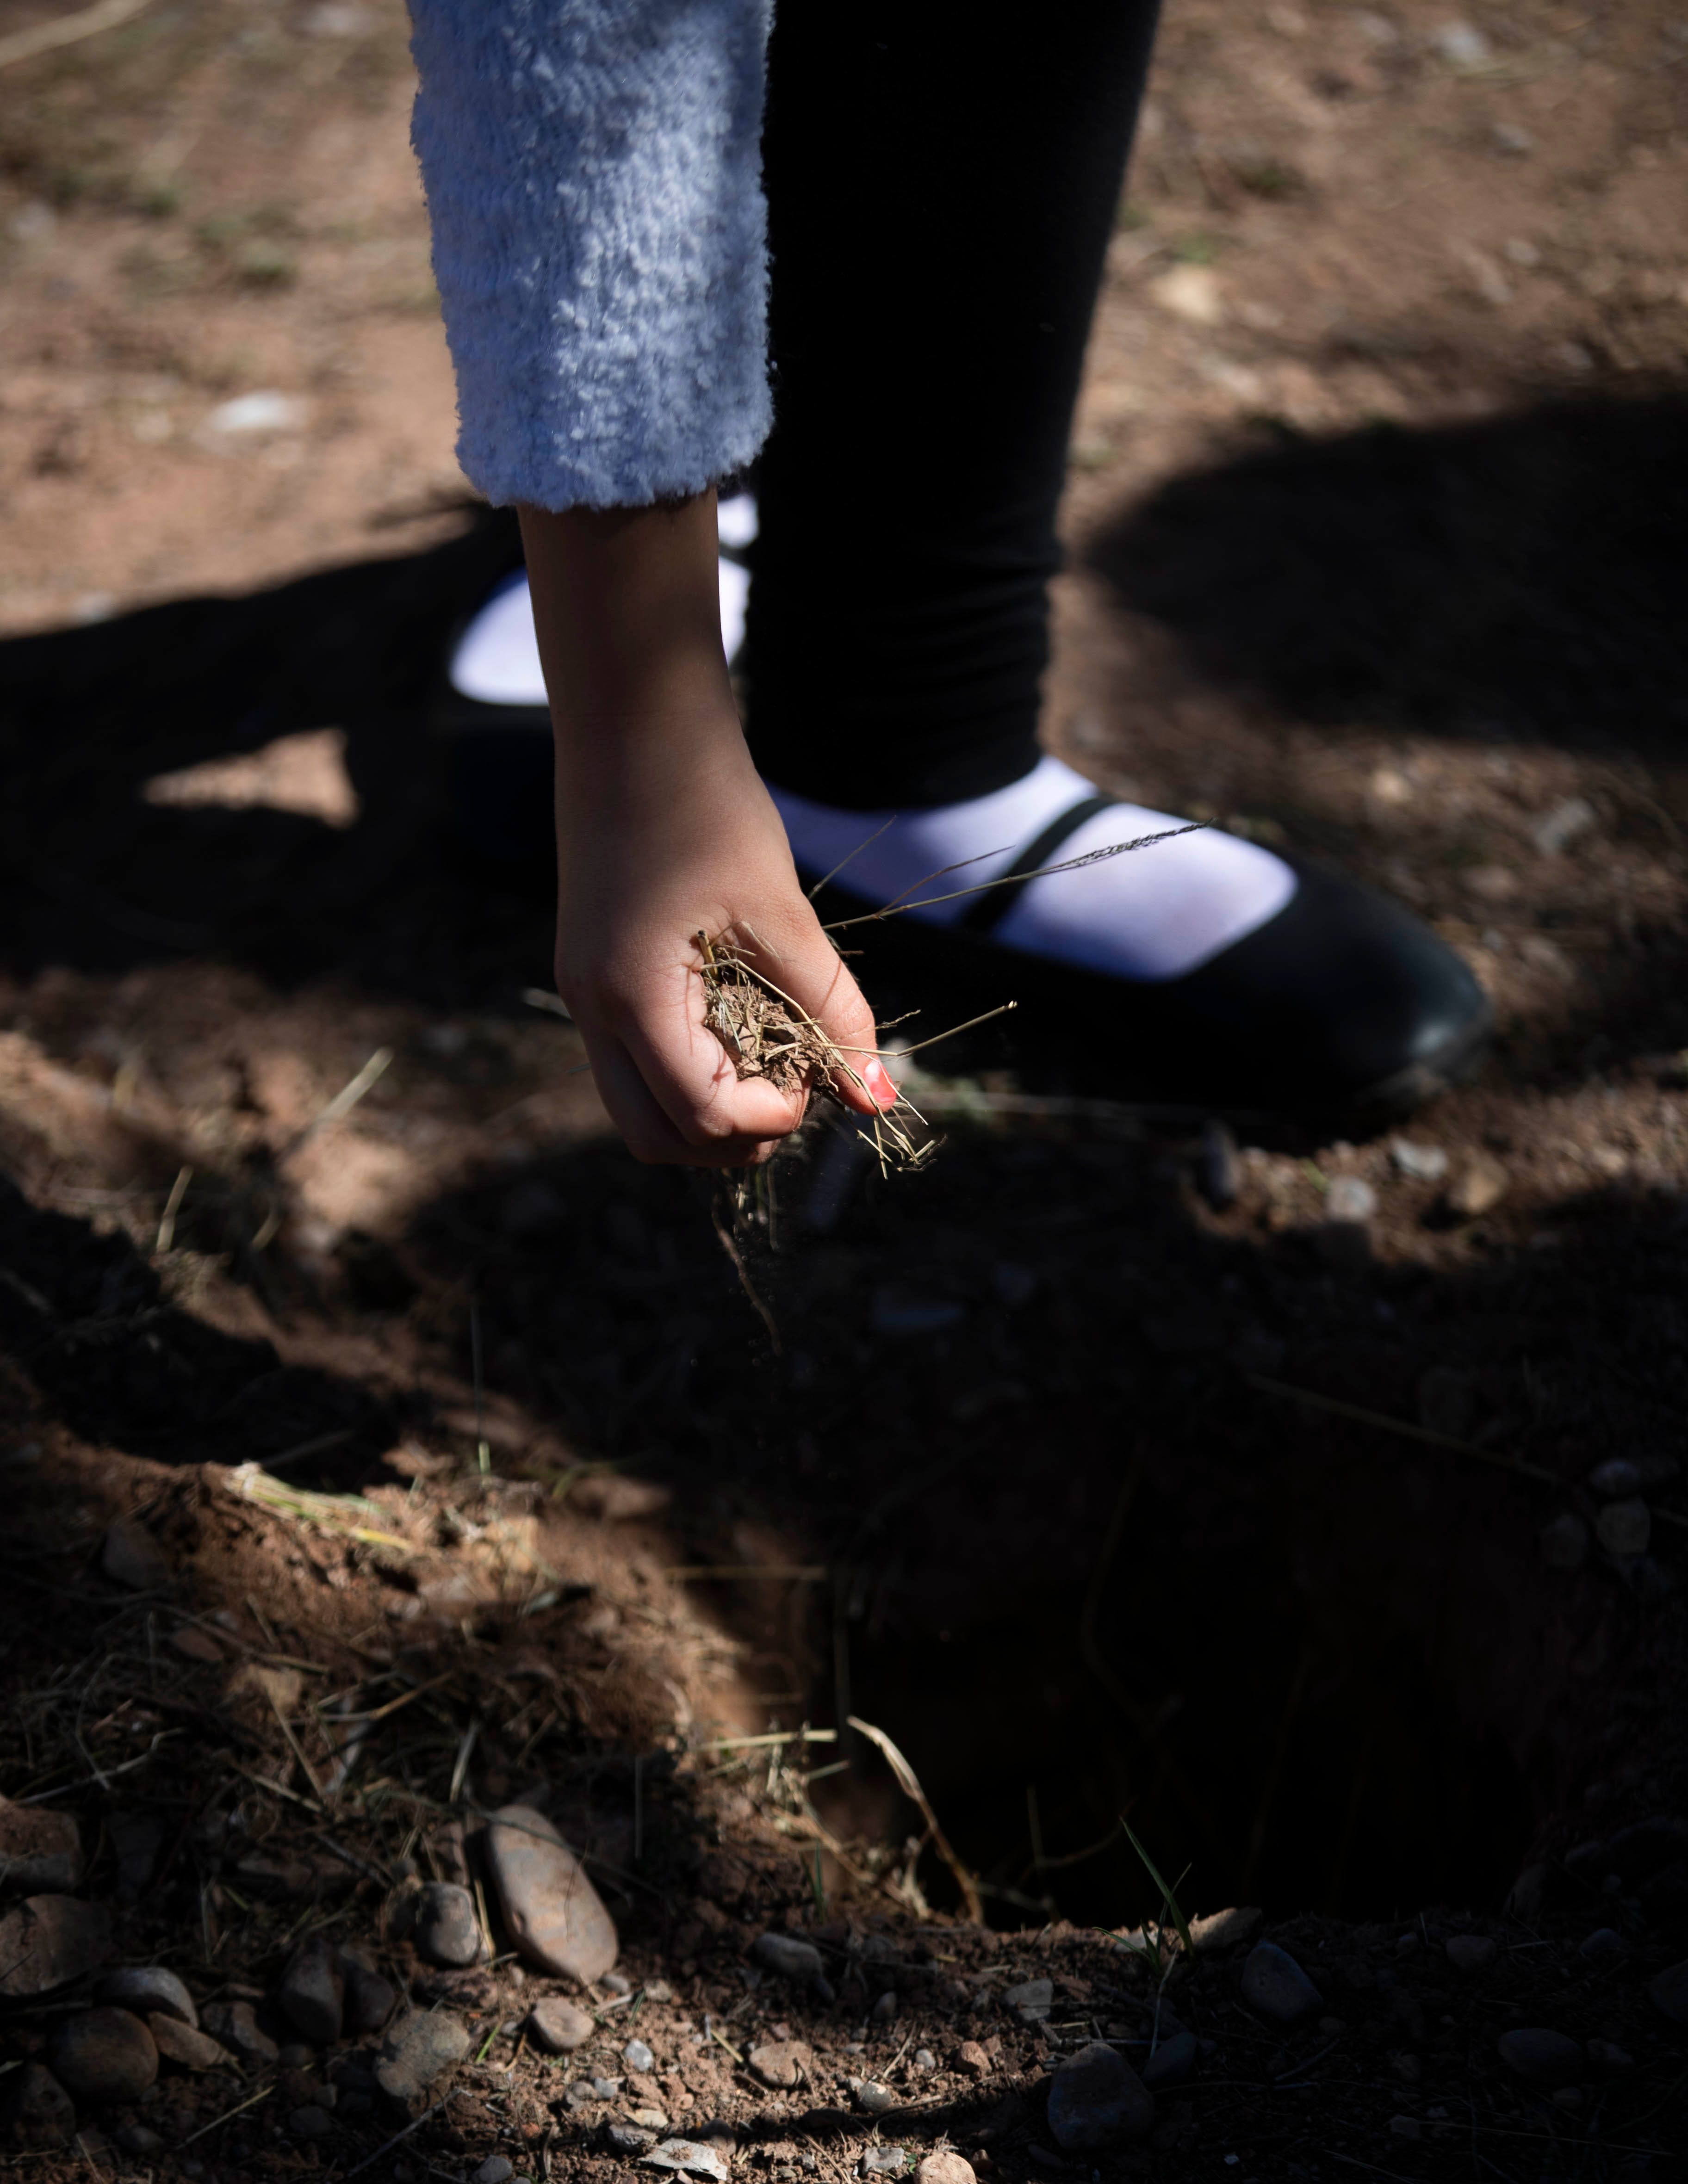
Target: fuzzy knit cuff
[592,171]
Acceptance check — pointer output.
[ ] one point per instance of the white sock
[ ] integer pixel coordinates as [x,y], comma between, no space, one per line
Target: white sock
[1150,914]
[497,660]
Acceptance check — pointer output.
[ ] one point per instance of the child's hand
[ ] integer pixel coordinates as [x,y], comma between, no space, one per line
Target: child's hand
[663,831]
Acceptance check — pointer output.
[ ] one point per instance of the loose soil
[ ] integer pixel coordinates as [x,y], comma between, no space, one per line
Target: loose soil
[1101,1480]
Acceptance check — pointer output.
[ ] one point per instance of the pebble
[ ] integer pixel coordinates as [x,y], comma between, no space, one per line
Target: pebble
[782,2064]
[1565,1542]
[446,1930]
[35,2112]
[616,1983]
[40,1853]
[234,2024]
[1669,1992]
[102,2054]
[130,1556]
[139,2138]
[649,2119]
[557,2026]
[883,2161]
[1171,2062]
[884,2010]
[267,410]
[1622,1476]
[872,2097]
[555,1916]
[494,2170]
[605,2089]
[1470,1953]
[1096,2100]
[185,2044]
[416,2053]
[1219,1173]
[310,2121]
[312,1994]
[1556,830]
[1418,1164]
[790,1957]
[48,1940]
[1610,2056]
[1350,1198]
[1604,1942]
[619,1500]
[637,2057]
[147,1988]
[1223,1929]
[945,2168]
[629,2138]
[1275,1985]
[689,2154]
[370,1997]
[1624,1528]
[924,2059]
[1546,2056]
[1461,45]
[1479,1188]
[1032,2001]
[971,2058]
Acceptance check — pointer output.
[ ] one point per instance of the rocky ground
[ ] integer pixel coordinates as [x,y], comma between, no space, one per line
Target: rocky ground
[382,1451]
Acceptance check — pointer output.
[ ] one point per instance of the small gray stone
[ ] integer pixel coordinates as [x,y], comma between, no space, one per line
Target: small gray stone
[310,2122]
[649,2119]
[555,1916]
[1560,826]
[494,2170]
[692,2155]
[1218,1168]
[872,2097]
[48,1940]
[924,2059]
[131,1555]
[788,1956]
[629,2138]
[35,2112]
[102,2054]
[139,2138]
[1669,1992]
[1546,2056]
[636,2056]
[1604,1942]
[1479,1187]
[1418,1164]
[1624,1528]
[446,1931]
[1096,2100]
[1350,1198]
[1275,1985]
[884,2010]
[1470,1953]
[370,1998]
[1609,2056]
[234,2024]
[1564,1542]
[558,2027]
[40,1851]
[312,1993]
[1171,2062]
[186,2044]
[605,2089]
[1032,2001]
[416,2053]
[147,1988]
[883,2161]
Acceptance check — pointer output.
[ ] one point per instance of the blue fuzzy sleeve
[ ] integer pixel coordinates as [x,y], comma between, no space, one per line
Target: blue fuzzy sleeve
[593,172]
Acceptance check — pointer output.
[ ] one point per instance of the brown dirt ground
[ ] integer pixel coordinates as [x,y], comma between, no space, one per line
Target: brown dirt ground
[1379,535]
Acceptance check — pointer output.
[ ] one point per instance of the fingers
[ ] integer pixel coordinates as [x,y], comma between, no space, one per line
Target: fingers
[691,1075]
[808,968]
[652,1134]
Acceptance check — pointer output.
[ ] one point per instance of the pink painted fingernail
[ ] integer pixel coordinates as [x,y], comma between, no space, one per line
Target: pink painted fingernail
[877,1079]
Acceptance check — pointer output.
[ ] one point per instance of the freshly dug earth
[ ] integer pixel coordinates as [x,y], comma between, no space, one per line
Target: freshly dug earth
[1258,1486]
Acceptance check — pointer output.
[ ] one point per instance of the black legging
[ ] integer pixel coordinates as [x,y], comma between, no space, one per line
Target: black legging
[940,198]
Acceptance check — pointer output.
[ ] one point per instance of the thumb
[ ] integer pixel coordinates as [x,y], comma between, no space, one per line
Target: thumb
[811,971]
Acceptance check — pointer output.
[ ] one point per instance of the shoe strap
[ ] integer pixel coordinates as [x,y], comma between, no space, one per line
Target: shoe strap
[986,911]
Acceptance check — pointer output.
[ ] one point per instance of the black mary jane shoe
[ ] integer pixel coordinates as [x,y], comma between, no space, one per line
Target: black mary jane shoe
[1342,1007]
